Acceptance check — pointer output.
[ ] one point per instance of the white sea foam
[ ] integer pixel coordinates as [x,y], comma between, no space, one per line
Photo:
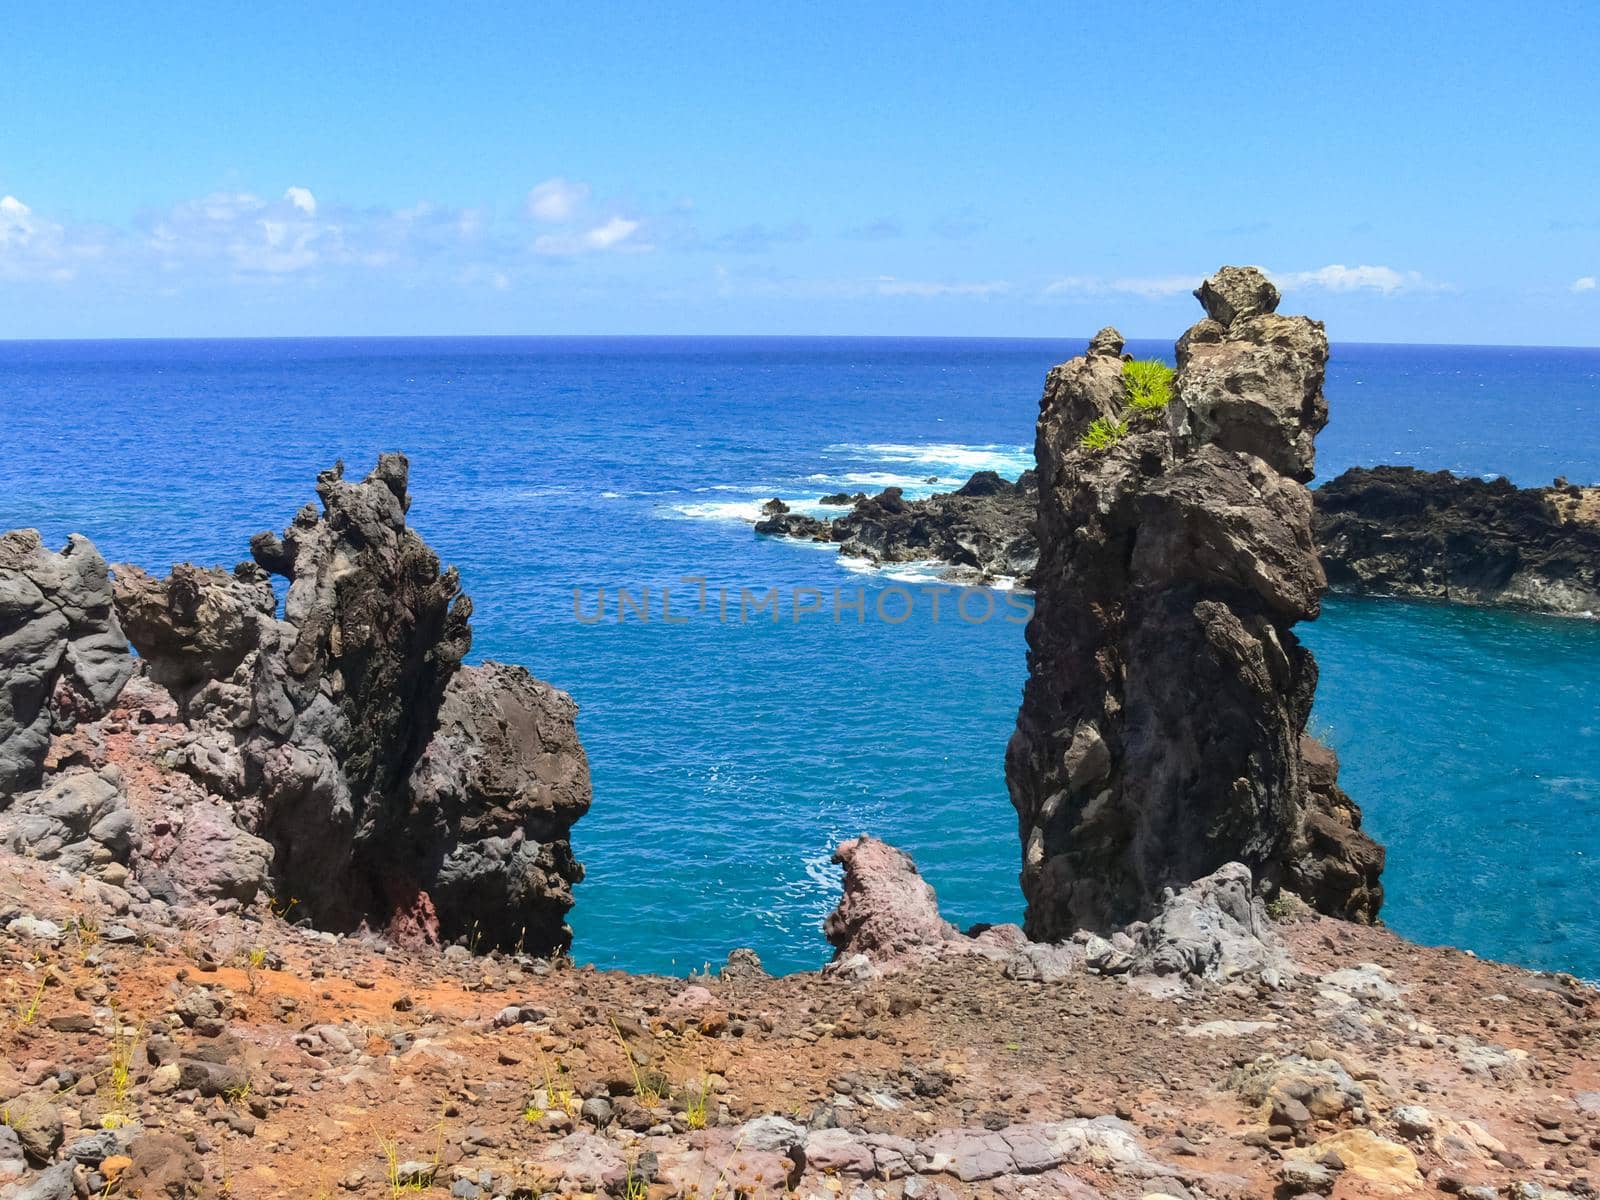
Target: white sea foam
[748,511]
[955,458]
[881,479]
[749,508]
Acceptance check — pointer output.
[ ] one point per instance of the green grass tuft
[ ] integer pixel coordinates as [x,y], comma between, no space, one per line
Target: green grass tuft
[1103,434]
[1149,383]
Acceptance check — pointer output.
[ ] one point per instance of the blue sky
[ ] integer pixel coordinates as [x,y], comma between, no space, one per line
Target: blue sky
[1408,172]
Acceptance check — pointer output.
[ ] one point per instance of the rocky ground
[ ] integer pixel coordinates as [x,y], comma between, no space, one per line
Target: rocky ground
[243,1056]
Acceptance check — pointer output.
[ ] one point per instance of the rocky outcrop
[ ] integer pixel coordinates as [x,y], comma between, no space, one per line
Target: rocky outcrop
[62,656]
[983,530]
[888,919]
[394,786]
[1162,729]
[493,796]
[1396,531]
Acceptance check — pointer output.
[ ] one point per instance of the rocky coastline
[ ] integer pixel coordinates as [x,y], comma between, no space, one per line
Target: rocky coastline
[1397,531]
[983,530]
[1380,531]
[283,898]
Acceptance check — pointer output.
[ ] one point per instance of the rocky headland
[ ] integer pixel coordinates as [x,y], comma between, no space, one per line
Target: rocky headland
[1396,531]
[282,900]
[1379,531]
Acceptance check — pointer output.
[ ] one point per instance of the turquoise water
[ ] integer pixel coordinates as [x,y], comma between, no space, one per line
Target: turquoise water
[729,757]
[1473,741]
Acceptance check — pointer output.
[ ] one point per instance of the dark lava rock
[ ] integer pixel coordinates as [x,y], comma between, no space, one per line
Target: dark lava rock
[1397,531]
[394,786]
[62,655]
[985,528]
[1162,729]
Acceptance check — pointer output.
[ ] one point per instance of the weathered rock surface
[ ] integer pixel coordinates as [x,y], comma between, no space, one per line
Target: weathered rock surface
[984,529]
[1396,531]
[500,783]
[393,785]
[1162,729]
[62,656]
[888,919]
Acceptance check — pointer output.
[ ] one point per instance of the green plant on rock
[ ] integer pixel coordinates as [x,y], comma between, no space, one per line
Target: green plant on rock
[1103,433]
[649,1088]
[119,1075]
[1149,384]
[696,1098]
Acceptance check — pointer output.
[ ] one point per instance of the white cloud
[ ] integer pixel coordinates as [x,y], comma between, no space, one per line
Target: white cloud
[615,234]
[249,234]
[557,201]
[1148,288]
[1587,284]
[888,285]
[16,222]
[1339,278]
[35,248]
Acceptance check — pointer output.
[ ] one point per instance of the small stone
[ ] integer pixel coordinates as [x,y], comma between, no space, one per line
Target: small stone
[1306,1176]
[417,1175]
[37,1124]
[164,1080]
[1412,1120]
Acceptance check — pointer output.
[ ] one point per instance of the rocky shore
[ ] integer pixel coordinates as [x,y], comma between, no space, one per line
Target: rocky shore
[283,899]
[1380,531]
[983,530]
[1395,531]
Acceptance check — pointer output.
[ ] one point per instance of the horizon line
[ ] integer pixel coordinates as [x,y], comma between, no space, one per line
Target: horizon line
[864,337]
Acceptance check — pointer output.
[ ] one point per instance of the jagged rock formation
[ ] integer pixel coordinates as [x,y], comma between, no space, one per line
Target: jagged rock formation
[394,786]
[1162,729]
[984,528]
[62,656]
[339,757]
[1396,531]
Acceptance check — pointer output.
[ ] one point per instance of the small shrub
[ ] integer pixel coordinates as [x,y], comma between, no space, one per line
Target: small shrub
[696,1098]
[119,1076]
[28,1010]
[1103,434]
[648,1086]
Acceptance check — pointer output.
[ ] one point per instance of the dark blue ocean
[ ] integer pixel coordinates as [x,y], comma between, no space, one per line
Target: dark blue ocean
[729,756]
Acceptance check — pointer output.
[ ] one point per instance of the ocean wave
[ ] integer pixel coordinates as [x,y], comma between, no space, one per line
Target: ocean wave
[748,511]
[882,479]
[955,457]
[749,508]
